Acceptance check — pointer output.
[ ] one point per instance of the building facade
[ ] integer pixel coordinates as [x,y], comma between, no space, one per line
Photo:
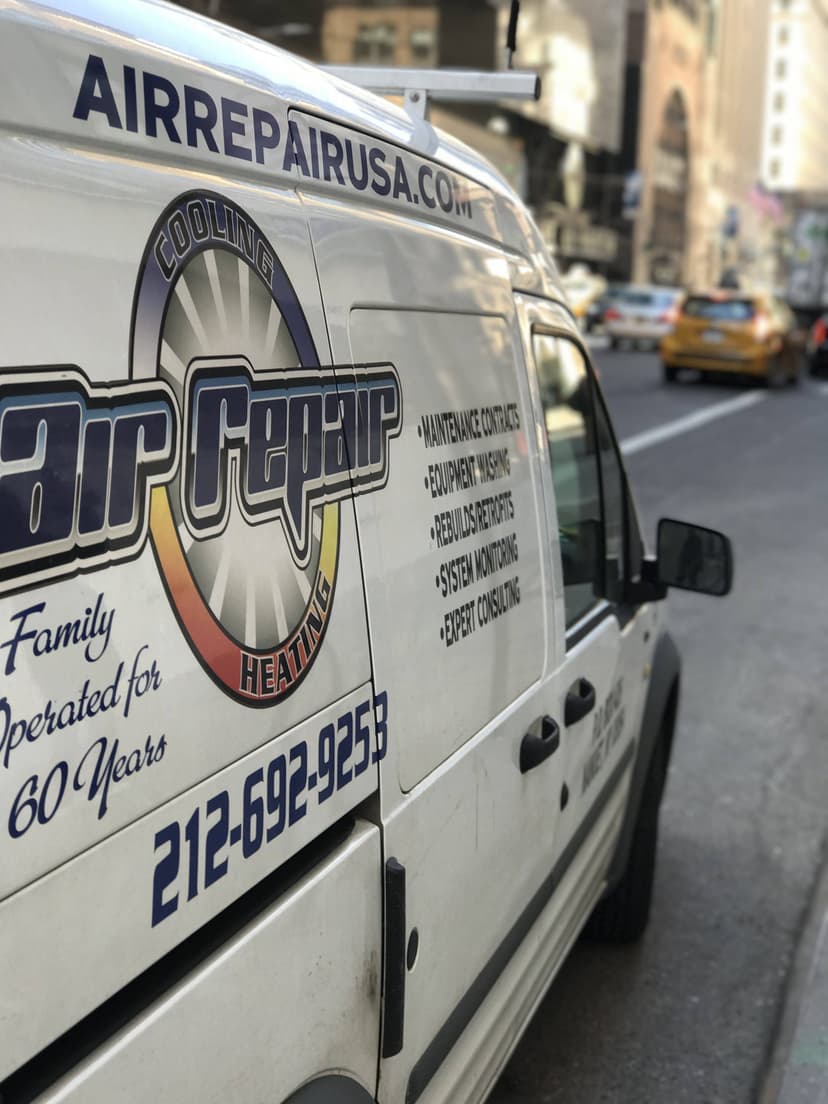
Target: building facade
[744,223]
[573,134]
[795,148]
[673,221]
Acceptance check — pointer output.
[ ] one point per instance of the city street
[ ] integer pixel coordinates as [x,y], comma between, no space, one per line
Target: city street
[690,1014]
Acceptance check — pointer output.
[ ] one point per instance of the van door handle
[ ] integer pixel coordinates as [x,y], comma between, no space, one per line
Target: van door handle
[542,739]
[579,701]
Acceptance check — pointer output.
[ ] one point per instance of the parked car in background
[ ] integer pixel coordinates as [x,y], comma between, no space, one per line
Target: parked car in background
[749,334]
[640,314]
[593,321]
[583,289]
[817,349]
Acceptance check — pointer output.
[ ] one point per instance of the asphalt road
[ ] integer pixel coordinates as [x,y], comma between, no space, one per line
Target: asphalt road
[689,1015]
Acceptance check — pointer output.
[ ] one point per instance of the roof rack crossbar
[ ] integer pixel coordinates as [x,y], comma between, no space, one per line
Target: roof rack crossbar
[418,86]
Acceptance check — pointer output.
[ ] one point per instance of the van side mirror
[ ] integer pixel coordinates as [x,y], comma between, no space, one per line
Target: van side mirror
[691,557]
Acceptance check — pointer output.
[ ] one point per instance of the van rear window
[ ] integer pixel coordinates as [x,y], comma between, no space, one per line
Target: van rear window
[719,310]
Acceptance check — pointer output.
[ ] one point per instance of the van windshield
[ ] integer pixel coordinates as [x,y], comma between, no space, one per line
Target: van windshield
[719,310]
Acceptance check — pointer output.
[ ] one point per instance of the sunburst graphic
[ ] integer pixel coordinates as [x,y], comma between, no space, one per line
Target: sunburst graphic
[238,593]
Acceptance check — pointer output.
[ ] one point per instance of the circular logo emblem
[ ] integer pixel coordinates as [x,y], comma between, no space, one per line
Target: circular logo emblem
[246,534]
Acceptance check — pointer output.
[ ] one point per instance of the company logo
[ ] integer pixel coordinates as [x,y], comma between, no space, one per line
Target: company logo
[231,447]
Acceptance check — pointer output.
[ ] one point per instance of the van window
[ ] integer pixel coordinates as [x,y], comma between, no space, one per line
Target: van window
[570,428]
[612,494]
[588,479]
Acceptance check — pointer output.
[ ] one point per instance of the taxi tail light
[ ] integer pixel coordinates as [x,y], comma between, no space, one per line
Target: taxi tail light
[669,316]
[611,314]
[819,332]
[761,327]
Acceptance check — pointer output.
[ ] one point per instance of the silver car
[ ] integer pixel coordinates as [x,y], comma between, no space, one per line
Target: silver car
[641,314]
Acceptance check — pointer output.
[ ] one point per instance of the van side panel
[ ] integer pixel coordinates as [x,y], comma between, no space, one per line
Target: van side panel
[475,833]
[186,697]
[294,996]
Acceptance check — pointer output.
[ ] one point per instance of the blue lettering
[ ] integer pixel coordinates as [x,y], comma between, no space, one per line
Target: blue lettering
[294,151]
[131,98]
[197,220]
[265,133]
[266,459]
[219,411]
[94,477]
[76,468]
[155,112]
[381,184]
[359,182]
[138,439]
[196,123]
[38,461]
[299,441]
[426,174]
[401,180]
[305,468]
[95,93]
[444,194]
[233,126]
[332,155]
[13,643]
[167,265]
[314,153]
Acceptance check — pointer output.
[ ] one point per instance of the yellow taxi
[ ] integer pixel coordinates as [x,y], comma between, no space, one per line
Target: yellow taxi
[735,332]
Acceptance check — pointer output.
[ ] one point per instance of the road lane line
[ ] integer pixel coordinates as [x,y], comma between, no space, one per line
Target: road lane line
[822,388]
[655,436]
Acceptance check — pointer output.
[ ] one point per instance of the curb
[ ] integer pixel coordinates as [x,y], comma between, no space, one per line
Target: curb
[797,1066]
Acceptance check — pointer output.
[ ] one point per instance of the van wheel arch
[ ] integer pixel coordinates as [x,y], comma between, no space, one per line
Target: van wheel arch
[622,915]
[637,840]
[331,1089]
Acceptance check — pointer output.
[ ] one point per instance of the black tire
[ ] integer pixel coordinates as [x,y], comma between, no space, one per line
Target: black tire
[669,372]
[614,343]
[622,916]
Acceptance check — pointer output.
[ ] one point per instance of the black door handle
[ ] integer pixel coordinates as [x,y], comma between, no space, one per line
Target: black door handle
[540,741]
[579,701]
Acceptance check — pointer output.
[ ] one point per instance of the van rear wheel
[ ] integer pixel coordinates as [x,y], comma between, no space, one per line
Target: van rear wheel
[669,372]
[622,916]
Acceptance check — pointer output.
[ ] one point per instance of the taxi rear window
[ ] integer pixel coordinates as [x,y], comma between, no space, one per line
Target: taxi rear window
[719,310]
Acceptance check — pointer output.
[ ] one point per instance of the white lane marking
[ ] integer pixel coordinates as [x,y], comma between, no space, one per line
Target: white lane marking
[664,432]
[822,388]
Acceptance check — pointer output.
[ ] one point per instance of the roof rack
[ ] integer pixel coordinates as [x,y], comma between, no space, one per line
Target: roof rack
[418,86]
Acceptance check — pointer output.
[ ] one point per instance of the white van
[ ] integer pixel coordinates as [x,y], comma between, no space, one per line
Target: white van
[336,694]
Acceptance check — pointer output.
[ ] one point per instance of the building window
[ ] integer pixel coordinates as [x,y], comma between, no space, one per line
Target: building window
[780,68]
[783,36]
[776,136]
[423,45]
[774,168]
[778,102]
[375,42]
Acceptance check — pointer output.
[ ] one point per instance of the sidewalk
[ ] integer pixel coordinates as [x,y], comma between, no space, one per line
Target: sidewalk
[798,1069]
